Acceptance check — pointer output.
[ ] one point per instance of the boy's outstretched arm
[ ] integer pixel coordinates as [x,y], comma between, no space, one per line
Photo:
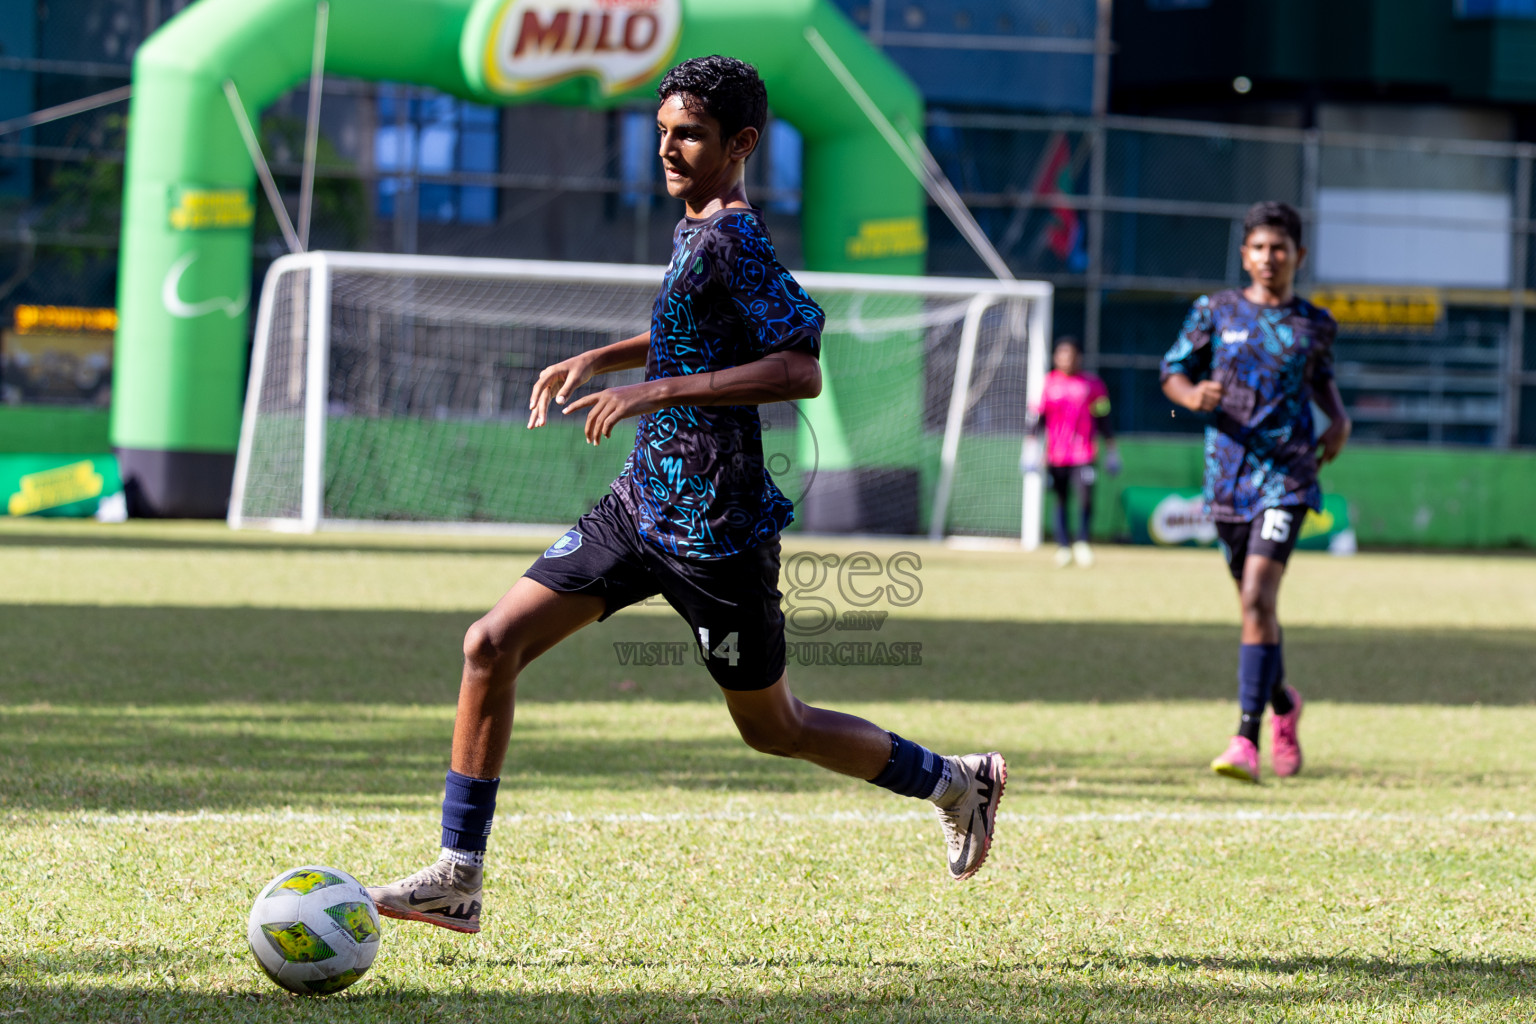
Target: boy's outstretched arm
[778,377]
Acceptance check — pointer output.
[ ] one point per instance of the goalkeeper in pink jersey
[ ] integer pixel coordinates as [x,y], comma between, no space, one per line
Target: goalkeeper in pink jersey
[1073,408]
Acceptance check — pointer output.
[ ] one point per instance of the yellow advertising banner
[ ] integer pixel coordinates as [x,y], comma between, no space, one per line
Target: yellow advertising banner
[210,209]
[880,239]
[1414,310]
[64,319]
[55,488]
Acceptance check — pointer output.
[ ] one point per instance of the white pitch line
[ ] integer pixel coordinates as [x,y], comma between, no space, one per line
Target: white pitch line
[833,817]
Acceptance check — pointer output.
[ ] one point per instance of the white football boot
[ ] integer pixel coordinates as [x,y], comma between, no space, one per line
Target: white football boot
[445,894]
[968,820]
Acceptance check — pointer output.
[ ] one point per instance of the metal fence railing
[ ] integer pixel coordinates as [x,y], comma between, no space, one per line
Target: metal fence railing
[1421,246]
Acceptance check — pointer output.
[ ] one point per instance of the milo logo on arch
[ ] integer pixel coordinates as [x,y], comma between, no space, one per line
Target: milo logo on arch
[533,44]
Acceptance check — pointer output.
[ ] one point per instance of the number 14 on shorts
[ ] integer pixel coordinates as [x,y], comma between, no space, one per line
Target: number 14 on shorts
[727,649]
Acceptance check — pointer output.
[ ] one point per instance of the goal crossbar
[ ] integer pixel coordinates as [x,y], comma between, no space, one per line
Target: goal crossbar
[976,296]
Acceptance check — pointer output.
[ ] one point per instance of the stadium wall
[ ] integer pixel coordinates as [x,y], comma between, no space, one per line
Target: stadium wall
[1398,496]
[52,430]
[55,461]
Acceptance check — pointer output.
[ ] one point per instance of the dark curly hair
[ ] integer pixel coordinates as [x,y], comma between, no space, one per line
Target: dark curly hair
[727,89]
[1270,214]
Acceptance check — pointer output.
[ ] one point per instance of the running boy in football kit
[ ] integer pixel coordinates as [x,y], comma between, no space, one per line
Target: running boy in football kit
[694,517]
[1257,358]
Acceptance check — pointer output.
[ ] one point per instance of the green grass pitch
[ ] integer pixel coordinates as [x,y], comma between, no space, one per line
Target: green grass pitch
[185,712]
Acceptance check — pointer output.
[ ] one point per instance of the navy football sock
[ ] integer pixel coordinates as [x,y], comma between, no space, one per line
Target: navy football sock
[468,806]
[1258,666]
[1278,698]
[913,770]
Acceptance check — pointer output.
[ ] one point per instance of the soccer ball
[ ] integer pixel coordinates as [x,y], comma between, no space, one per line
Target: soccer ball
[314,930]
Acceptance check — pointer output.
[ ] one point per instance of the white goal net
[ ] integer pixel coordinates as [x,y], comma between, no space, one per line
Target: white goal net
[394,390]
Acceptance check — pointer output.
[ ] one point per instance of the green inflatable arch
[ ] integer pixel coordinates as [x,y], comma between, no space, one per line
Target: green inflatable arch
[189,200]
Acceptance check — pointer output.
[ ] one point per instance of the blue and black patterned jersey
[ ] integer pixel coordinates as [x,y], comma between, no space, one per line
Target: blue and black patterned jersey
[696,483]
[1260,448]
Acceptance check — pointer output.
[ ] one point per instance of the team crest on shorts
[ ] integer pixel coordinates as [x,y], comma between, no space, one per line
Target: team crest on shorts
[565,545]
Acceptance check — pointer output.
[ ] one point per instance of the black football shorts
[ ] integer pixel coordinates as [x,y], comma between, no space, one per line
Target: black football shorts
[731,604]
[1272,533]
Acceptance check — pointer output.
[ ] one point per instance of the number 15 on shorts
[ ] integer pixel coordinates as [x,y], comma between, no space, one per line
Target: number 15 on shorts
[727,649]
[1276,526]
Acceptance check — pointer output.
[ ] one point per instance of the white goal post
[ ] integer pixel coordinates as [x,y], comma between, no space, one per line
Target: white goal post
[392,390]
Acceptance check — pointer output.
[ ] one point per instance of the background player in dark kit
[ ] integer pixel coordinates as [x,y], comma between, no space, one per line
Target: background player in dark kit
[1256,359]
[694,517]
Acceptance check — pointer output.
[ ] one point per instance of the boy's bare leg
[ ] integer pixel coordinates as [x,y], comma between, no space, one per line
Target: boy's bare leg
[526,622]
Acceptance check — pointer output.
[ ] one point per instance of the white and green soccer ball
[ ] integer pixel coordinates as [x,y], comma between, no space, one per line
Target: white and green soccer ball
[314,930]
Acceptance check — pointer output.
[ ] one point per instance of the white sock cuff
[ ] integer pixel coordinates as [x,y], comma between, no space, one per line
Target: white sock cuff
[942,786]
[470,858]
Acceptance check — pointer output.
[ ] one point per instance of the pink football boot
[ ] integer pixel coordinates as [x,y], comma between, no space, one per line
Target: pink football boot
[1284,747]
[1240,761]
